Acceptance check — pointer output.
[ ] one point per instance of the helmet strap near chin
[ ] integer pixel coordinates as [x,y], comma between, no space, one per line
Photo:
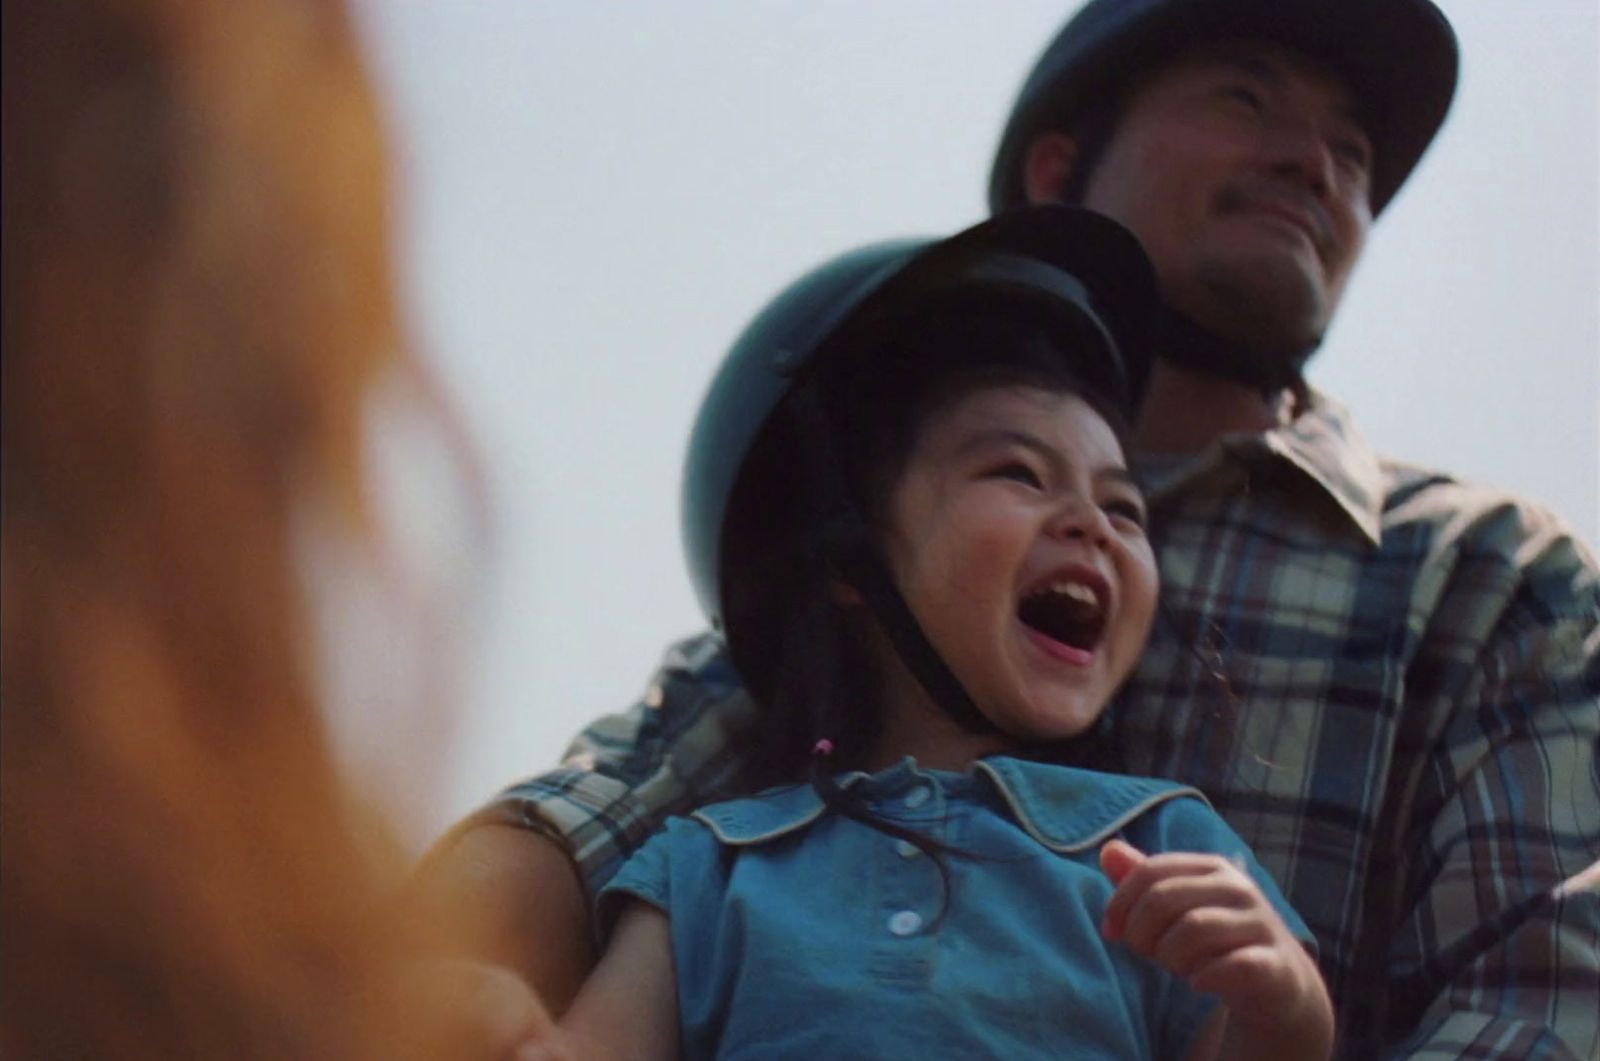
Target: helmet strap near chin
[1182,342]
[846,545]
[850,553]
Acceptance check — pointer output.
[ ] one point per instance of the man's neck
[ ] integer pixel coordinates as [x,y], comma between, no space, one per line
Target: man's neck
[1185,411]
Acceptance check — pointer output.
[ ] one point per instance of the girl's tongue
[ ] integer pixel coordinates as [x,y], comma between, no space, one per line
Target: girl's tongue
[1066,618]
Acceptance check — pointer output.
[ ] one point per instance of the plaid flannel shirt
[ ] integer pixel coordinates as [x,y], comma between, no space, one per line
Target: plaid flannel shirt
[1387,681]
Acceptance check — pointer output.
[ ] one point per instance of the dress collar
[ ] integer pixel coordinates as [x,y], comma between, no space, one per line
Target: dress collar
[1065,809]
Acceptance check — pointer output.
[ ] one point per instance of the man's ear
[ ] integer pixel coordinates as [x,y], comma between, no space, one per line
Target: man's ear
[1046,166]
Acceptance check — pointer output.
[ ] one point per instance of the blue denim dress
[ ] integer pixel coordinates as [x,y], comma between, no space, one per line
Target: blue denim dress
[800,933]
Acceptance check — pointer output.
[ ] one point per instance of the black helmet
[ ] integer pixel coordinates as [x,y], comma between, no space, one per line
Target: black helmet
[1399,58]
[1081,270]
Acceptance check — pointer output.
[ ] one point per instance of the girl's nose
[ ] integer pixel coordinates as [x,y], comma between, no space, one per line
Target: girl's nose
[1081,518]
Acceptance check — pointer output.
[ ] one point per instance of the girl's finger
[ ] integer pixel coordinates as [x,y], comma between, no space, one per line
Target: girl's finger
[1166,901]
[1118,858]
[1135,881]
[1205,934]
[1252,972]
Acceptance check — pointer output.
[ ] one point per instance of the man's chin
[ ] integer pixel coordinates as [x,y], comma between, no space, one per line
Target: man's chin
[1271,309]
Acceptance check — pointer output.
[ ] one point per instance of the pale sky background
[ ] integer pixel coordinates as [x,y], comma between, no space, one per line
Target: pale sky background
[593,197]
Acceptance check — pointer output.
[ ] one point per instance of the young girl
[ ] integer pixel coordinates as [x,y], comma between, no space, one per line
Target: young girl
[915,526]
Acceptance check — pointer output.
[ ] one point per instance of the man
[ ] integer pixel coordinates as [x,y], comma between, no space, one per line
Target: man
[1388,682]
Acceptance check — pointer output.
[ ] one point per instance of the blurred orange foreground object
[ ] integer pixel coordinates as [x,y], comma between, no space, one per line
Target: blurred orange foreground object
[196,301]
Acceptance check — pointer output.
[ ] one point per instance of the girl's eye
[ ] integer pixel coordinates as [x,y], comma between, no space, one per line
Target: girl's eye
[1018,472]
[1125,511]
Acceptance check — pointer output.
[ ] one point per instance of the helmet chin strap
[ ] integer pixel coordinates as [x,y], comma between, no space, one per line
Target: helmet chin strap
[1182,342]
[848,548]
[846,544]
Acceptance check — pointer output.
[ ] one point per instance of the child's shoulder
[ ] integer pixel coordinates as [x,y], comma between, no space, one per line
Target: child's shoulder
[687,846]
[1068,809]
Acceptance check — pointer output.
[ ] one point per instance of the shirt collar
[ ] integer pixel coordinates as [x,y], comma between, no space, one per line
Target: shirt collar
[1322,442]
[1065,809]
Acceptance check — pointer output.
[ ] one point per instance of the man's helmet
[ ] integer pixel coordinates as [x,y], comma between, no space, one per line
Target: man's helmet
[1398,57]
[1082,274]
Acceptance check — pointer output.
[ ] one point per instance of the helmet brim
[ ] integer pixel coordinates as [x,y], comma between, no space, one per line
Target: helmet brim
[1076,266]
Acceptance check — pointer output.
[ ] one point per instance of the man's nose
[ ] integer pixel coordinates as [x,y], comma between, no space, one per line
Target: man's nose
[1297,148]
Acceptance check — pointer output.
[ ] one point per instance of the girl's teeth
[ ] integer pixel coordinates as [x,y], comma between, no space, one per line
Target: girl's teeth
[1075,590]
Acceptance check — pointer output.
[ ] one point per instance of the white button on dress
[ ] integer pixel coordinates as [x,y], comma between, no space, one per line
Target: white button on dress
[906,849]
[905,922]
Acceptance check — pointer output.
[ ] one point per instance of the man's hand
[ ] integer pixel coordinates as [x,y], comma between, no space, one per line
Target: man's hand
[1202,918]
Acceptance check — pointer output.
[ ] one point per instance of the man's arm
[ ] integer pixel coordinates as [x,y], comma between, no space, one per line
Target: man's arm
[516,880]
[512,897]
[1499,803]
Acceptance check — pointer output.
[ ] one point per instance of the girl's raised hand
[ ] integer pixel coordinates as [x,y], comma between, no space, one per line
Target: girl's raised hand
[1201,917]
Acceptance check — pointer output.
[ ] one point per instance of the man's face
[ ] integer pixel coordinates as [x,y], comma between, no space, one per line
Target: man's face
[1244,172]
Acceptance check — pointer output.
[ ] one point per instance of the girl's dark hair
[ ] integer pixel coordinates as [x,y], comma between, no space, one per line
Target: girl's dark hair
[802,655]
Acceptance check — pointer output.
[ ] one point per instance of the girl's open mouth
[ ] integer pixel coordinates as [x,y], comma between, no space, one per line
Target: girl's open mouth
[1066,616]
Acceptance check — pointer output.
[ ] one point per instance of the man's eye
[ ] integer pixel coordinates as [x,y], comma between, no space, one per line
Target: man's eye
[1244,95]
[1016,471]
[1353,154]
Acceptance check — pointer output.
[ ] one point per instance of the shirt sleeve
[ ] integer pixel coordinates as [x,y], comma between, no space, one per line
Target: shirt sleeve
[645,876]
[681,745]
[1498,801]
